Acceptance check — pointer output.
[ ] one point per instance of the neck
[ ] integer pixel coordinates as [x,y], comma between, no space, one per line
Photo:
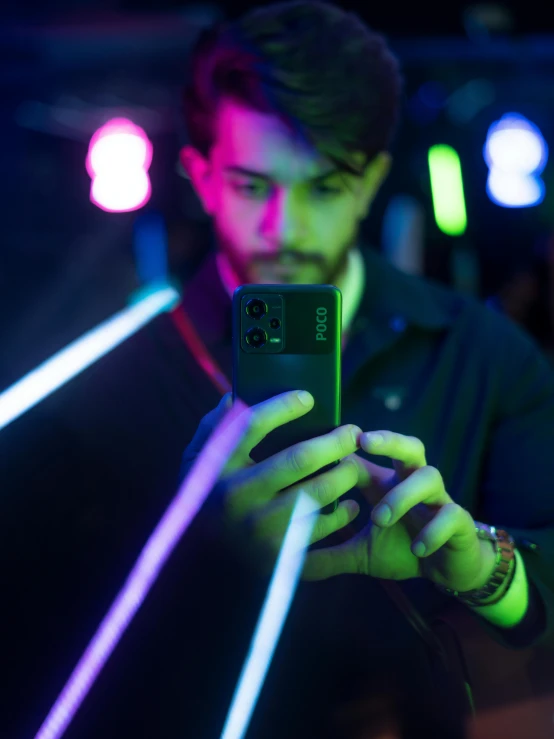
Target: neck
[351,283]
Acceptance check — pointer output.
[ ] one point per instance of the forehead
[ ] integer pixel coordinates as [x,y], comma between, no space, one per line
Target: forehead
[263,143]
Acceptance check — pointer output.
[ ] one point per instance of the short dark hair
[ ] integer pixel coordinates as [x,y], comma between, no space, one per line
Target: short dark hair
[316,66]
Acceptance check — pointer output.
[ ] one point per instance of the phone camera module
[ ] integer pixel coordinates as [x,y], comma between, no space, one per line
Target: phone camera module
[256,337]
[256,308]
[275,323]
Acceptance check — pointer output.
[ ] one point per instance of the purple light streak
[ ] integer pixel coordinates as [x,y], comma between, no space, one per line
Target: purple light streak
[191,495]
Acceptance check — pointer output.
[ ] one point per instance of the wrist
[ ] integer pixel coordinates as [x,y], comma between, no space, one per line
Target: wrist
[488,563]
[489,591]
[510,609]
[489,566]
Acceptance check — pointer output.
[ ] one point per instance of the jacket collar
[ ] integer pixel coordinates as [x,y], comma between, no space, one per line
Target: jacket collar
[403,298]
[391,302]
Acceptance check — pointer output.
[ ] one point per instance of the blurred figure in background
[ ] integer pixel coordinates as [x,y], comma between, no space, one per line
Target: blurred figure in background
[528,297]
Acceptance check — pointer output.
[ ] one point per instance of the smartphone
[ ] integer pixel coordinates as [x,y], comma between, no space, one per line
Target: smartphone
[288,337]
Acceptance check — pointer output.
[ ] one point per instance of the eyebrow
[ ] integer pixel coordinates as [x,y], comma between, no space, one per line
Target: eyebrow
[236,169]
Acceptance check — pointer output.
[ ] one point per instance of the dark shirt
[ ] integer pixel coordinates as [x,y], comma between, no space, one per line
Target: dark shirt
[92,468]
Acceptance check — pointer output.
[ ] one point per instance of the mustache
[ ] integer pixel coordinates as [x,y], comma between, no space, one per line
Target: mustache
[287,258]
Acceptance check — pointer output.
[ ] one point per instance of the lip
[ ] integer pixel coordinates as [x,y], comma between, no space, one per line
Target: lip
[284,269]
[274,276]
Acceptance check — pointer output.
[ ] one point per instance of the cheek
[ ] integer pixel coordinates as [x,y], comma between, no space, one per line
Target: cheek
[334,223]
[237,219]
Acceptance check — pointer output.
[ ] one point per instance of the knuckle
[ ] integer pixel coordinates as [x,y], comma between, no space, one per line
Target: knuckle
[433,475]
[349,462]
[418,445]
[298,459]
[319,491]
[344,441]
[321,526]
[462,513]
[424,472]
[256,423]
[351,467]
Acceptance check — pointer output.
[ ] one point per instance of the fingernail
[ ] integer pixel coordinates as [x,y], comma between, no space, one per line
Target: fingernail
[382,515]
[305,398]
[419,549]
[355,431]
[373,440]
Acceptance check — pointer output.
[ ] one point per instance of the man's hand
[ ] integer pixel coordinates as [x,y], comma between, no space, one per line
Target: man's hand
[258,498]
[416,529]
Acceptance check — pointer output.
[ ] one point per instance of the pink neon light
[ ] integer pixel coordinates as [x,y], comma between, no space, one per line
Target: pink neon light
[118,160]
[191,495]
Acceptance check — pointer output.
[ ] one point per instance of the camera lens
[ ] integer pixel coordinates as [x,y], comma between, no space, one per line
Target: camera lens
[256,308]
[256,337]
[275,323]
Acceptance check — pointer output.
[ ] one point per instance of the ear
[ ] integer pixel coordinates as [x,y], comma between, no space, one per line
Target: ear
[375,174]
[198,170]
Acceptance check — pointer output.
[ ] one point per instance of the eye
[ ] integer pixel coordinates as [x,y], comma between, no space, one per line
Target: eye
[251,190]
[322,189]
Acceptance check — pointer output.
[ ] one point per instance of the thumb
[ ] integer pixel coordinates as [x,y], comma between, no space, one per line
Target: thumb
[213,417]
[203,432]
[226,401]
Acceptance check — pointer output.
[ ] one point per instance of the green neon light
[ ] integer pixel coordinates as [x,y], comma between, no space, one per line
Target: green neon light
[447,189]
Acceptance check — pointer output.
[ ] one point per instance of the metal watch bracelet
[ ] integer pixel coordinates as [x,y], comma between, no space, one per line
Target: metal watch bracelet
[504,568]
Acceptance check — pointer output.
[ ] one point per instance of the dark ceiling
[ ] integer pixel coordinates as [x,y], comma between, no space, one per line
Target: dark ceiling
[402,17]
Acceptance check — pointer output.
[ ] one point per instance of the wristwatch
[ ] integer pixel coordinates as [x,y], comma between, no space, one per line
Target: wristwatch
[504,567]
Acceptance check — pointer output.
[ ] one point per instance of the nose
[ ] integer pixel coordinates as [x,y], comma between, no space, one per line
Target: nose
[283,221]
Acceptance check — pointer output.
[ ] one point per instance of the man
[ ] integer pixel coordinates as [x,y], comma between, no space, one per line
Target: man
[290,112]
[287,178]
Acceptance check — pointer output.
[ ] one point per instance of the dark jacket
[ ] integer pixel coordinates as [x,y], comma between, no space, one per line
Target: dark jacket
[90,471]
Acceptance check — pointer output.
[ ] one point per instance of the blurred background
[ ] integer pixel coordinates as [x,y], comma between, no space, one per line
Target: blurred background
[469,201]
[69,68]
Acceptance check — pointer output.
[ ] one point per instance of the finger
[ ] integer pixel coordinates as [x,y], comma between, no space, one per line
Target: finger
[285,469]
[319,524]
[425,485]
[452,525]
[264,418]
[374,482]
[327,524]
[328,487]
[337,560]
[273,517]
[406,452]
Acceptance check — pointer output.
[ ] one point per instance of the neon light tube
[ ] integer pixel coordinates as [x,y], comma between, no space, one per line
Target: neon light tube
[191,495]
[272,618]
[447,189]
[81,353]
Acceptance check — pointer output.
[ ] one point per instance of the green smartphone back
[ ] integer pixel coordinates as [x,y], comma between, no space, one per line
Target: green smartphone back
[304,353]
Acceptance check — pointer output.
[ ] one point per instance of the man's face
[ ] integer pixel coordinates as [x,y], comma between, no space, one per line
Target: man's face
[282,212]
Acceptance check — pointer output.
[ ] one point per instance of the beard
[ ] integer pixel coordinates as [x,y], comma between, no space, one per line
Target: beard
[305,267]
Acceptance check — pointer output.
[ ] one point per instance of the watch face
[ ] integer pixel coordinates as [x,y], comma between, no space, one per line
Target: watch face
[484,531]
